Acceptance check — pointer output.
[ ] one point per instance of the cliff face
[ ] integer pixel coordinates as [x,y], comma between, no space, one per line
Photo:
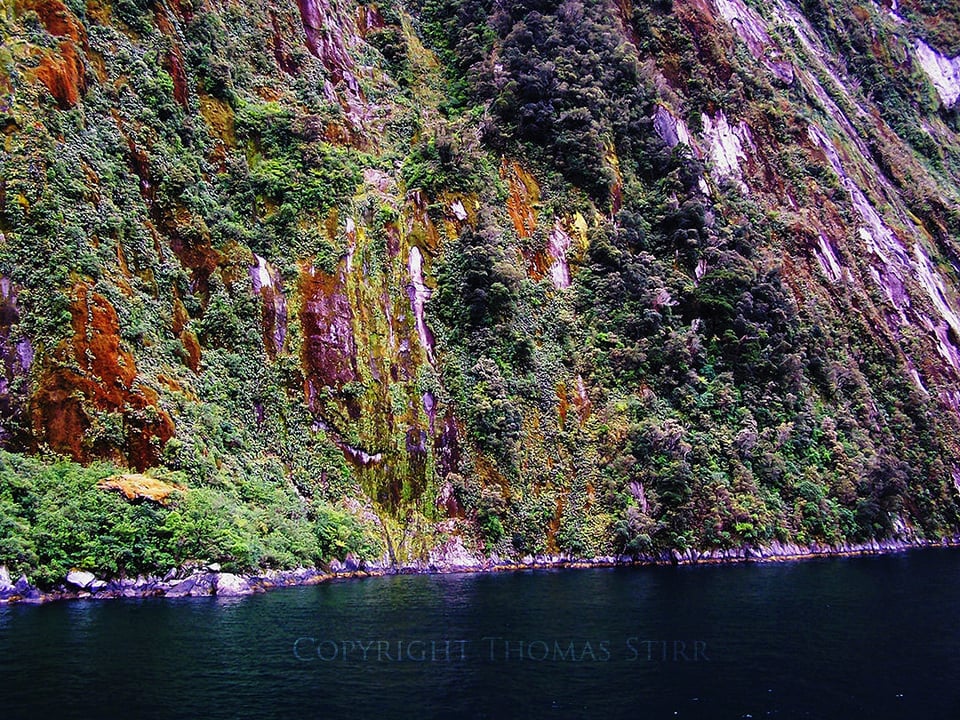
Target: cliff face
[572,276]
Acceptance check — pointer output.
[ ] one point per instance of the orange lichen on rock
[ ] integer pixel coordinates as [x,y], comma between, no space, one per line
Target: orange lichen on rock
[180,315]
[56,18]
[63,76]
[192,347]
[93,372]
[524,196]
[96,345]
[174,66]
[563,404]
[173,63]
[61,72]
[576,397]
[141,487]
[190,242]
[581,400]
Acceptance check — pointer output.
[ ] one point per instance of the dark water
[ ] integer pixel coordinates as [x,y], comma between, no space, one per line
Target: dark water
[840,638]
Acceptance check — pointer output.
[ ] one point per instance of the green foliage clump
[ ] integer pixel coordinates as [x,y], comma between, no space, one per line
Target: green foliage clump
[55,518]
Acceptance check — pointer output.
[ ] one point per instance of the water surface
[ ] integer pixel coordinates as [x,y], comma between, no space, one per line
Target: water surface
[873,637]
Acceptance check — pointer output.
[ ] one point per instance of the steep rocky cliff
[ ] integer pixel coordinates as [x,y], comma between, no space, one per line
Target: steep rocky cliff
[588,277]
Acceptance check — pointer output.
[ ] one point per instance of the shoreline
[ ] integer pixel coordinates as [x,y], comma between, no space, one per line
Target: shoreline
[209,581]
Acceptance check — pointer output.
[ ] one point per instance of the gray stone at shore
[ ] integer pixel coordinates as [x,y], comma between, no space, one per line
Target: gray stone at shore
[81,579]
[181,589]
[145,582]
[193,586]
[453,556]
[230,585]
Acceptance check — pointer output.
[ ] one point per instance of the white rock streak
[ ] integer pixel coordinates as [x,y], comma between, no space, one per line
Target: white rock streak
[260,275]
[897,263]
[671,129]
[752,29]
[828,259]
[559,270]
[458,210]
[419,294]
[932,282]
[726,146]
[878,237]
[943,72]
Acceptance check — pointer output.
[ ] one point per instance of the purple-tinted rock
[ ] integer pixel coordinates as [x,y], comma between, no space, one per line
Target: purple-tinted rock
[330,351]
[25,590]
[230,585]
[181,589]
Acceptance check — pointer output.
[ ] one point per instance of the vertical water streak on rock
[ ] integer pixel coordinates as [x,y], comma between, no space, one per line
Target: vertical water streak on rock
[267,283]
[557,247]
[419,294]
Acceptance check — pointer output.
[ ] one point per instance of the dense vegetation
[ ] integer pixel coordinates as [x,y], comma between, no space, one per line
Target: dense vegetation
[303,263]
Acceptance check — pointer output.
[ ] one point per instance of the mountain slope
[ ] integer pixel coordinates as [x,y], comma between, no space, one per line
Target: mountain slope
[575,277]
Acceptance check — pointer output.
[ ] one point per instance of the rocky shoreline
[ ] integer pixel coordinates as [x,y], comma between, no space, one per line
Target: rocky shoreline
[209,580]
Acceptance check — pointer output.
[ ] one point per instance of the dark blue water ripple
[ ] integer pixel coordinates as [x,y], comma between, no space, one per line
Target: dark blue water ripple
[840,638]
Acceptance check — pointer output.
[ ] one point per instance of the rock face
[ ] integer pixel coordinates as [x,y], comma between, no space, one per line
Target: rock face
[198,585]
[671,129]
[943,72]
[94,366]
[331,36]
[727,146]
[25,590]
[557,247]
[453,556]
[267,283]
[419,294]
[752,29]
[16,358]
[330,352]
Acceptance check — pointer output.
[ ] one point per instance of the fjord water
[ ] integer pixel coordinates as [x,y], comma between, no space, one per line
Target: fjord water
[871,637]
